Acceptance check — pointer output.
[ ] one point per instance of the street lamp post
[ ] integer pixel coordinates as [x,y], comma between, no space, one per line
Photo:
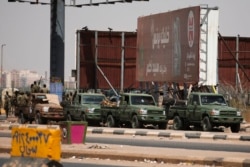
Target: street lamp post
[2,64]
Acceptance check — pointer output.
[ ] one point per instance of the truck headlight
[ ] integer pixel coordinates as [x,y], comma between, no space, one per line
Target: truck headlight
[45,109]
[91,110]
[215,112]
[238,113]
[143,111]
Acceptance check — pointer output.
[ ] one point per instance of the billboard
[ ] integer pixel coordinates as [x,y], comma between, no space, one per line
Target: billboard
[113,53]
[168,46]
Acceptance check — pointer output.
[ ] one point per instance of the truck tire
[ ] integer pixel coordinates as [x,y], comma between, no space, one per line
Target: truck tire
[135,123]
[206,125]
[110,121]
[235,128]
[177,123]
[21,119]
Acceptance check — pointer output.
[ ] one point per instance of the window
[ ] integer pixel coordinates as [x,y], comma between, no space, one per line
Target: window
[213,100]
[196,99]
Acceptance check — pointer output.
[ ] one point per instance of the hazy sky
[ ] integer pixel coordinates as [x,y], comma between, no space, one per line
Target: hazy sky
[25,28]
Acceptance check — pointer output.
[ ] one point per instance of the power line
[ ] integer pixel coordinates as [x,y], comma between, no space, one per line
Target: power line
[72,3]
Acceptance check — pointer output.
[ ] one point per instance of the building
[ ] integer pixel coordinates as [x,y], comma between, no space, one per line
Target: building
[19,79]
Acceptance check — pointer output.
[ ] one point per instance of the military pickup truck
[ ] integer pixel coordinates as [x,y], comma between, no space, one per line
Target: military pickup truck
[41,108]
[85,107]
[47,108]
[134,110]
[205,110]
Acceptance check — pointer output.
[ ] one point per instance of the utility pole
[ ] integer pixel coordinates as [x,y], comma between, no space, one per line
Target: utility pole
[2,65]
[57,36]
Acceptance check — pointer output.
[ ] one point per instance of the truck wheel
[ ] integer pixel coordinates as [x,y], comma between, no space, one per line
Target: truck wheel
[69,118]
[177,123]
[135,123]
[21,118]
[206,125]
[110,121]
[235,128]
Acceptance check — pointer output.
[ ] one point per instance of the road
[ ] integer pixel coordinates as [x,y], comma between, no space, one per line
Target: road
[242,147]
[142,141]
[109,163]
[107,149]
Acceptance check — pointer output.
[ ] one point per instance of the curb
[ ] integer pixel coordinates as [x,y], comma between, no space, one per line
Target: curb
[213,161]
[143,132]
[169,134]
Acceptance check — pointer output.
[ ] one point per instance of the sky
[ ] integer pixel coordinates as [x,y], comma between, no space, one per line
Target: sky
[25,28]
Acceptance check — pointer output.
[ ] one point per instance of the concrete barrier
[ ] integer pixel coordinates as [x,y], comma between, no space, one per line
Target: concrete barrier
[33,145]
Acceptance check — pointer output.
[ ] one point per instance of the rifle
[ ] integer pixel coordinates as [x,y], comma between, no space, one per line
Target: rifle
[39,81]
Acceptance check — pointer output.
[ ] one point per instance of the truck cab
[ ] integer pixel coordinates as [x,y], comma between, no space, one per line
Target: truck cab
[134,110]
[207,110]
[85,107]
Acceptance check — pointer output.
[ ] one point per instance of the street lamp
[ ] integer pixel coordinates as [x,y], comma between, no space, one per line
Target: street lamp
[2,64]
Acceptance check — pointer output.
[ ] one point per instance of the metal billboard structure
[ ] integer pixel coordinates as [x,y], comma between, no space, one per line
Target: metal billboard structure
[178,46]
[57,31]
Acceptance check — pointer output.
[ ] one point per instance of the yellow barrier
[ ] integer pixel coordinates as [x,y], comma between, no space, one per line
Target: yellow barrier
[36,142]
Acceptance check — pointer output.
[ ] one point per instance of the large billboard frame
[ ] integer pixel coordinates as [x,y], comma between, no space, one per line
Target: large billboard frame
[178,46]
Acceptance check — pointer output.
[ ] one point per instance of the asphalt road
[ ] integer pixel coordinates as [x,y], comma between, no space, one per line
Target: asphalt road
[135,145]
[155,142]
[4,160]
[182,144]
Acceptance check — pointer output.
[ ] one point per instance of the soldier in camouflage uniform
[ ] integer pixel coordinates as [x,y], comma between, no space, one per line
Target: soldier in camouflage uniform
[22,99]
[7,103]
[14,101]
[34,88]
[44,89]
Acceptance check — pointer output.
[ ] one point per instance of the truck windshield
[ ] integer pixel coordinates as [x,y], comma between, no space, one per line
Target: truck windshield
[217,100]
[142,100]
[92,99]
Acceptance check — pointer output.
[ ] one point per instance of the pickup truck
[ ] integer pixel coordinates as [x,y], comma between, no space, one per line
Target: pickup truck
[47,108]
[43,107]
[205,110]
[134,110]
[85,107]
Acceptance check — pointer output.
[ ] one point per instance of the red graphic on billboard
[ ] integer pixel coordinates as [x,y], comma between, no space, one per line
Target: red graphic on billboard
[168,46]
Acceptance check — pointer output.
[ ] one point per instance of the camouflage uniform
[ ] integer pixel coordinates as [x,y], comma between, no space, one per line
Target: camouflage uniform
[22,99]
[44,89]
[14,101]
[7,103]
[35,88]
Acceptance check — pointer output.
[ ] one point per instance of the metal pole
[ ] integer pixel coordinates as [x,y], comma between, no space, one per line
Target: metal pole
[122,62]
[237,66]
[78,43]
[57,33]
[97,66]
[2,65]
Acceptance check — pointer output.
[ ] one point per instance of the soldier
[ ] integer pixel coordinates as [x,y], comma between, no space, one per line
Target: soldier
[36,87]
[71,97]
[22,99]
[68,98]
[14,101]
[44,89]
[32,88]
[7,104]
